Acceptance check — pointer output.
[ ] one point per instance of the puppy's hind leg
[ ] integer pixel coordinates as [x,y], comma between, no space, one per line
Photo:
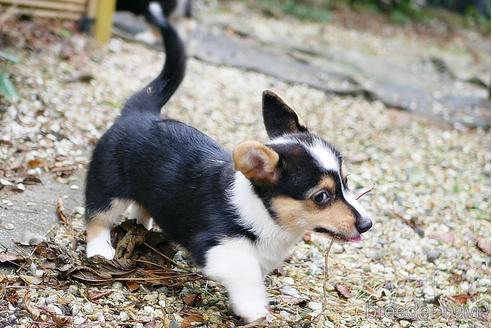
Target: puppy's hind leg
[98,229]
[141,215]
[233,263]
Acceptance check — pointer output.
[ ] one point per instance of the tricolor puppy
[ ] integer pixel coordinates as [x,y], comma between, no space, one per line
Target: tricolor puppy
[238,213]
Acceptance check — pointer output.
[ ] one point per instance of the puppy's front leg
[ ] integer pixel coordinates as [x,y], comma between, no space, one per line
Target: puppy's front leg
[233,263]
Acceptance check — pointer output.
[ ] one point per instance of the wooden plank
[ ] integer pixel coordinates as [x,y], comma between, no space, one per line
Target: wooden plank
[80,2]
[44,13]
[91,9]
[44,4]
[72,1]
[104,20]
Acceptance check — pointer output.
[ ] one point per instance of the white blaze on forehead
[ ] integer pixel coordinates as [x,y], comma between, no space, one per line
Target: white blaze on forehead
[326,158]
[329,161]
[354,202]
[283,140]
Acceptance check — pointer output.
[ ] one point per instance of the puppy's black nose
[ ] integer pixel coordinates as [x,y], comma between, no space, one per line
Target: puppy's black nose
[364,224]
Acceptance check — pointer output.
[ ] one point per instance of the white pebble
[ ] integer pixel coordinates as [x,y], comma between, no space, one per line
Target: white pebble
[316,306]
[123,316]
[78,321]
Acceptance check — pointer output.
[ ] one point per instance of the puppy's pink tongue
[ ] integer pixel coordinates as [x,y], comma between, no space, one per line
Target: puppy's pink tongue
[356,239]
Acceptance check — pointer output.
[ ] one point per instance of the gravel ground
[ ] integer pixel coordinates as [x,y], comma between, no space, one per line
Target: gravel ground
[431,203]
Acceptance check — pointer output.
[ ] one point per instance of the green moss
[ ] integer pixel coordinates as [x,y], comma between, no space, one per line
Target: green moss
[303,10]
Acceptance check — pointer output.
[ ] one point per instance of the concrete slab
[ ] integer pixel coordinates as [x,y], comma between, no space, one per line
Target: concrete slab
[33,212]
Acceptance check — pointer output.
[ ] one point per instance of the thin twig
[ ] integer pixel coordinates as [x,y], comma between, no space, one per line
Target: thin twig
[152,278]
[368,190]
[325,279]
[154,264]
[168,258]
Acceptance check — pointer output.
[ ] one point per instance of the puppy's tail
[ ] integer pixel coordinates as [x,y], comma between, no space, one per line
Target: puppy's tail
[156,94]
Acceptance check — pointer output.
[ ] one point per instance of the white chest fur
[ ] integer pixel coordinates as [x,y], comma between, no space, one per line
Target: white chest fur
[273,243]
[240,264]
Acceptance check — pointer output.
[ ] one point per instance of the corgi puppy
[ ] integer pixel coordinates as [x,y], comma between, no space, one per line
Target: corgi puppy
[238,213]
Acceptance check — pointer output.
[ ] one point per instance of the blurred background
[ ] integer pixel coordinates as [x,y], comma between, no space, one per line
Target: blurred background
[401,88]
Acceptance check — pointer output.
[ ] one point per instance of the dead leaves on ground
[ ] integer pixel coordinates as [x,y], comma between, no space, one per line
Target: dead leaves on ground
[44,314]
[190,319]
[142,258]
[461,298]
[6,256]
[95,294]
[192,299]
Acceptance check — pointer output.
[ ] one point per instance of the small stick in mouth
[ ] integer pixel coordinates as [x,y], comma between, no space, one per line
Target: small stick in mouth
[365,191]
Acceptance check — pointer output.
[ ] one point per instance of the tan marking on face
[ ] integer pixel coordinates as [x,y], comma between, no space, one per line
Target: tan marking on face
[326,183]
[302,215]
[256,161]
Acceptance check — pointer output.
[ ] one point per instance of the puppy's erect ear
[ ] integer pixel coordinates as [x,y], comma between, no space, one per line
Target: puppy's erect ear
[256,161]
[279,117]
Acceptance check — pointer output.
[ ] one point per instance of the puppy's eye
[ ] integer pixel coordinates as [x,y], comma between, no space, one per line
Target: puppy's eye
[321,198]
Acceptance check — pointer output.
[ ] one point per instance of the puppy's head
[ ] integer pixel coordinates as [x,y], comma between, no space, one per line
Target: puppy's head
[300,177]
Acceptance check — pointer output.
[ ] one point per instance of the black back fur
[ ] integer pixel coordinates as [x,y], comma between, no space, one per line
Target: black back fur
[177,173]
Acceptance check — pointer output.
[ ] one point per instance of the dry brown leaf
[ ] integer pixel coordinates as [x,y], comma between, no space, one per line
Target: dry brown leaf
[59,212]
[59,320]
[94,295]
[132,286]
[9,257]
[31,280]
[484,245]
[191,317]
[37,162]
[11,296]
[126,246]
[343,290]
[31,308]
[461,298]
[43,250]
[191,299]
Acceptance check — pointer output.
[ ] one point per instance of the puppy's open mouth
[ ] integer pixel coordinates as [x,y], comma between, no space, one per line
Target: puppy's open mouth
[337,236]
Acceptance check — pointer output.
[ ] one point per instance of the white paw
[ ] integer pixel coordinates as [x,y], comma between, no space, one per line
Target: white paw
[101,247]
[252,312]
